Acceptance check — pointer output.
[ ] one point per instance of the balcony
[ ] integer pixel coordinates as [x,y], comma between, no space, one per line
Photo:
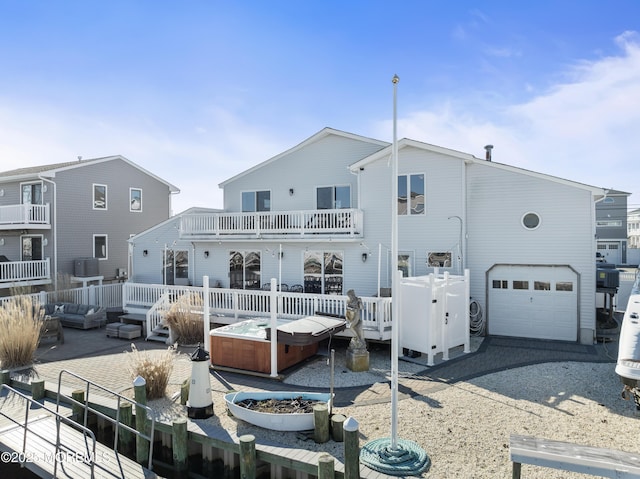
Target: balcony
[25,216]
[15,273]
[273,224]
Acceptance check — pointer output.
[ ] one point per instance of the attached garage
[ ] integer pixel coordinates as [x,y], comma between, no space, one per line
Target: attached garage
[533,301]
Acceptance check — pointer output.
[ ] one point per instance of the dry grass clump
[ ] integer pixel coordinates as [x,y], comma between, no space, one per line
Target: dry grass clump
[20,329]
[155,367]
[184,318]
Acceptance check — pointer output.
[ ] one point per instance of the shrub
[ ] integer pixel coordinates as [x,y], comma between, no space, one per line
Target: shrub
[154,366]
[184,318]
[20,328]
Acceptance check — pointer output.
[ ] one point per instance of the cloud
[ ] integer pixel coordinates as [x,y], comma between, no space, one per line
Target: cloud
[583,128]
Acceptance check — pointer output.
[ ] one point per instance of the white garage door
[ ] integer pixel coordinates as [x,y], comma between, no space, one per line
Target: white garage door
[533,302]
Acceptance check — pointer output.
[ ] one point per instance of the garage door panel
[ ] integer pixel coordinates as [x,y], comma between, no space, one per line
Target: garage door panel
[546,309]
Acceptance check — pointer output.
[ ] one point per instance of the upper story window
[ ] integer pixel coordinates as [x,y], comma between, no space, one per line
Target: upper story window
[333,197]
[411,194]
[256,201]
[31,193]
[135,199]
[99,197]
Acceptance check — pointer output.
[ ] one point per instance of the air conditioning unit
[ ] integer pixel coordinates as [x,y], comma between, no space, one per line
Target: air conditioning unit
[607,278]
[84,267]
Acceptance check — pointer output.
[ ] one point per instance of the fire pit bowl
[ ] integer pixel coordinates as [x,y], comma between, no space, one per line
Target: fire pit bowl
[282,419]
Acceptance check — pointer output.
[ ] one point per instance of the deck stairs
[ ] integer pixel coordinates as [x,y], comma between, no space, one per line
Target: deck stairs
[137,314]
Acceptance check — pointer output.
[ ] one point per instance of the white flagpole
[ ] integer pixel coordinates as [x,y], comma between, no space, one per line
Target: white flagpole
[394,273]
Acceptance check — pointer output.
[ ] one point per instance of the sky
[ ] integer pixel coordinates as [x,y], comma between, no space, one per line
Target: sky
[198,91]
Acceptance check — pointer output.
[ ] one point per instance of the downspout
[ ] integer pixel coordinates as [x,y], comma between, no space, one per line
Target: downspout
[55,231]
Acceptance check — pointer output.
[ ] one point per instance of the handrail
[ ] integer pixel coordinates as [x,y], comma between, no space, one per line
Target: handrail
[116,421]
[90,457]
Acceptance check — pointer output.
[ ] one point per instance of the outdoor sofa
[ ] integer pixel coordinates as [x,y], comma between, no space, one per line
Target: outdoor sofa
[80,316]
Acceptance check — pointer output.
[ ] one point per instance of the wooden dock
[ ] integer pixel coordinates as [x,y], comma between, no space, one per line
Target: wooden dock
[33,445]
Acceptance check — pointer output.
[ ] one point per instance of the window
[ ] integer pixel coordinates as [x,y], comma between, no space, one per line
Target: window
[500,284]
[244,269]
[542,286]
[323,272]
[135,199]
[530,220]
[564,286]
[253,201]
[439,260]
[99,197]
[31,194]
[333,197]
[520,284]
[31,248]
[100,246]
[411,194]
[404,264]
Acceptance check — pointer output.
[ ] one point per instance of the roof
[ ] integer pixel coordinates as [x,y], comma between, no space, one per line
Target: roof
[188,211]
[470,159]
[317,137]
[50,170]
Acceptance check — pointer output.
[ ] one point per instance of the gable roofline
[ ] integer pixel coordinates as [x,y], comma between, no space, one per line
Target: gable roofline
[471,159]
[33,172]
[325,132]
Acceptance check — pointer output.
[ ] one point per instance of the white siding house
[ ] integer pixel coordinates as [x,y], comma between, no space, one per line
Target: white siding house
[318,216]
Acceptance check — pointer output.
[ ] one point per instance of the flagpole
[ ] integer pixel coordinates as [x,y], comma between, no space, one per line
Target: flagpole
[394,456]
[394,272]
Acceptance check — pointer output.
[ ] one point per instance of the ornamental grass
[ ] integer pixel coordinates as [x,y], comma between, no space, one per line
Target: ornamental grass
[184,319]
[154,366]
[21,320]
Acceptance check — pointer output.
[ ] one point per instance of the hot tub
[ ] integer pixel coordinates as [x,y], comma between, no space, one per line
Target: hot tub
[245,346]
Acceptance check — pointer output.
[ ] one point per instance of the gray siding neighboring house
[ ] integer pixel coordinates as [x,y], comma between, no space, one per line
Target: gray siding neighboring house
[611,227]
[53,217]
[318,216]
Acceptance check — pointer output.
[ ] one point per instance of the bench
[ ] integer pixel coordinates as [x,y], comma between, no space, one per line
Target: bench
[567,456]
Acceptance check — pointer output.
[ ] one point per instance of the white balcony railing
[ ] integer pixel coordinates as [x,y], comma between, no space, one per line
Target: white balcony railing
[24,215]
[16,271]
[324,222]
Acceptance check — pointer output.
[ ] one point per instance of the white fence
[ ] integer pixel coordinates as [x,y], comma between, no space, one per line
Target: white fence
[434,312]
[24,214]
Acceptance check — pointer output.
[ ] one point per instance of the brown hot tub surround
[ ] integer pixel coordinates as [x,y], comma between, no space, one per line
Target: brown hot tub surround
[246,345]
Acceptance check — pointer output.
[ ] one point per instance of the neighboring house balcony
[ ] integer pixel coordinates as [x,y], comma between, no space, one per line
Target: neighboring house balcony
[15,273]
[25,216]
[273,224]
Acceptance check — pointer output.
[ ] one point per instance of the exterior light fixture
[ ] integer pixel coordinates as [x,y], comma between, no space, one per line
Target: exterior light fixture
[145,252]
[290,191]
[364,257]
[206,254]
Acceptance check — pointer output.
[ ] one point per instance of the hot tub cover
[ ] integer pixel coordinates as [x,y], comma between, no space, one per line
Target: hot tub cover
[308,330]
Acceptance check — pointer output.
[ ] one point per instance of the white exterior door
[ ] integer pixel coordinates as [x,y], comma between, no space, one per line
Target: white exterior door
[533,302]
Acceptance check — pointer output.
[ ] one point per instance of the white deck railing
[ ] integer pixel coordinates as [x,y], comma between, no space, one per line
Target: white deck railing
[231,305]
[15,271]
[342,221]
[24,215]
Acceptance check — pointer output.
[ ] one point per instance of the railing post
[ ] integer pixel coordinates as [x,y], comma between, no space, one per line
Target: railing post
[140,396]
[351,449]
[247,456]
[179,444]
[326,467]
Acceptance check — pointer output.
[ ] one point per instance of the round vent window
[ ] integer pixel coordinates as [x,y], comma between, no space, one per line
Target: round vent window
[531,221]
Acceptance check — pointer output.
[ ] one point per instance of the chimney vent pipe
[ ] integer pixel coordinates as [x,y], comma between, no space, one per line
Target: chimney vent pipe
[488,149]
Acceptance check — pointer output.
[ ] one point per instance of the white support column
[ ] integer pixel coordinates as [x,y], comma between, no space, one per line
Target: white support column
[205,314]
[273,298]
